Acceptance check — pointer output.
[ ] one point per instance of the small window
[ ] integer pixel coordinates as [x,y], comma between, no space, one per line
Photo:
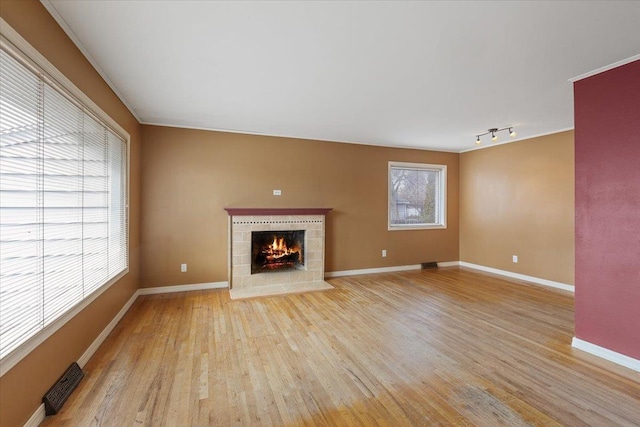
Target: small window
[417,196]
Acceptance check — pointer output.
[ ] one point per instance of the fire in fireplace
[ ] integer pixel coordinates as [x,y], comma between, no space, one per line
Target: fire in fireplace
[276,250]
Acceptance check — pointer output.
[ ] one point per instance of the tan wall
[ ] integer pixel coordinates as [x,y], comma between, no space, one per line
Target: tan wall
[518,199]
[189,176]
[22,388]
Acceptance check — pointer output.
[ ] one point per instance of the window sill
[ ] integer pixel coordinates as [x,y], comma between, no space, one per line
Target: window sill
[416,227]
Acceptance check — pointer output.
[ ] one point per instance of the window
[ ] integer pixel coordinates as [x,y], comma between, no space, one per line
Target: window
[417,196]
[63,202]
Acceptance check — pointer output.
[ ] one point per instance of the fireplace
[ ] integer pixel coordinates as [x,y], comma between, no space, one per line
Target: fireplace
[286,243]
[273,251]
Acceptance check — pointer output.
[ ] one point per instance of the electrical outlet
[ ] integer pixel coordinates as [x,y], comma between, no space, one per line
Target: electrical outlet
[183,268]
[384,253]
[515,259]
[277,192]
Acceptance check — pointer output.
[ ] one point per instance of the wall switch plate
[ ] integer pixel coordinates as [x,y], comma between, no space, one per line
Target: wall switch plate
[515,259]
[384,253]
[183,268]
[277,192]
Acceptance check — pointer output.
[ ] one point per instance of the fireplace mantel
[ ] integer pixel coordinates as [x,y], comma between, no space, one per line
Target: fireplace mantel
[276,211]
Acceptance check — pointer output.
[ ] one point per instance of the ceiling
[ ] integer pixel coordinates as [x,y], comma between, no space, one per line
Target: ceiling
[428,75]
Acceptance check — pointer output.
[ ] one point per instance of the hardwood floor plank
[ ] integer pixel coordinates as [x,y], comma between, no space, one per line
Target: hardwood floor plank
[435,347]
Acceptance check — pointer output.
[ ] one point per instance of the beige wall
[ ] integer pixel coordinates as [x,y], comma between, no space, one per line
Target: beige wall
[22,387]
[189,176]
[518,199]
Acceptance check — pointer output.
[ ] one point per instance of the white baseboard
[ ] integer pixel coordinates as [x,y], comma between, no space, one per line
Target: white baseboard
[182,288]
[371,270]
[449,264]
[518,276]
[106,331]
[37,417]
[342,273]
[605,353]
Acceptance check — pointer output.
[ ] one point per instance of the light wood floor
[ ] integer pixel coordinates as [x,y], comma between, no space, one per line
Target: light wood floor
[446,347]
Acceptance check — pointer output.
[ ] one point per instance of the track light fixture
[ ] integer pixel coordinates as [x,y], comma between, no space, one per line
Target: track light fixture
[493,132]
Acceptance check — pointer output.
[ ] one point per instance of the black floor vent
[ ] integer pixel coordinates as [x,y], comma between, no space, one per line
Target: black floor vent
[429,265]
[61,390]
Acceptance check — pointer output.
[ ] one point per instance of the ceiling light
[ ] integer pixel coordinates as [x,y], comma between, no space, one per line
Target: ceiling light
[494,131]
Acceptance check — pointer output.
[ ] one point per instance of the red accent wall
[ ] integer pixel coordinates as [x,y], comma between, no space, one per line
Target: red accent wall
[607,162]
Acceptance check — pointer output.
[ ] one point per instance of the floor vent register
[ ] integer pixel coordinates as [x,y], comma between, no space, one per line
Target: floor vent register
[426,265]
[61,390]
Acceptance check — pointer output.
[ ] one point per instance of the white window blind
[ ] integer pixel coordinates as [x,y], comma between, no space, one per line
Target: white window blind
[63,203]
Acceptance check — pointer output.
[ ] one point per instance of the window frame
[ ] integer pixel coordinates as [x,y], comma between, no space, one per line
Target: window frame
[442,211]
[13,43]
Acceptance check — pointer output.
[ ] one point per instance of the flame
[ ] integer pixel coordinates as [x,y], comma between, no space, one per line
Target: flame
[278,249]
[279,245]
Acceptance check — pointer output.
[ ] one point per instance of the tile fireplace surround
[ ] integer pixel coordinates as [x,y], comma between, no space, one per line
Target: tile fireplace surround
[242,221]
